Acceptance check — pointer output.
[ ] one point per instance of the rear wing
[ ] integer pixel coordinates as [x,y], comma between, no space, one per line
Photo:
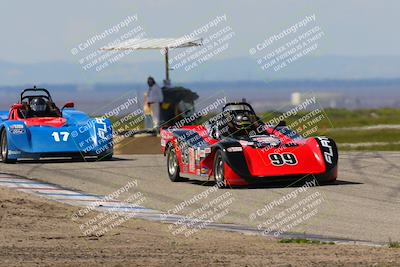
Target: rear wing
[3,115]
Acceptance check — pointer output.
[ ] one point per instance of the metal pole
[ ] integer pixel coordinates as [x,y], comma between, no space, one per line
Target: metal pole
[166,65]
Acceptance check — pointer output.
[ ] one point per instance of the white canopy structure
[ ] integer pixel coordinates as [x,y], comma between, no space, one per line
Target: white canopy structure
[163,44]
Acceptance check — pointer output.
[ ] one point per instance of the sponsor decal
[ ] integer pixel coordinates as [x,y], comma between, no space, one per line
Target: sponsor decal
[14,152]
[246,143]
[266,140]
[204,171]
[184,152]
[191,160]
[202,154]
[17,131]
[328,154]
[101,128]
[17,126]
[234,149]
[197,154]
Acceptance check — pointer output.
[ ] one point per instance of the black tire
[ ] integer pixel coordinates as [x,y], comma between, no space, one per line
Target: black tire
[218,169]
[80,157]
[4,149]
[105,157]
[173,165]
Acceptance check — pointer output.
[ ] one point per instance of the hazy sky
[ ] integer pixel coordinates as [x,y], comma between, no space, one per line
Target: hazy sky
[46,30]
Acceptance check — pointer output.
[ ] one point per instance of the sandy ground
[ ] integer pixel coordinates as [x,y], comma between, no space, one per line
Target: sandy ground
[140,145]
[35,231]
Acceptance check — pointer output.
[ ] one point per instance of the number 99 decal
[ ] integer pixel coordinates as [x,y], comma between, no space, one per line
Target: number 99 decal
[282,159]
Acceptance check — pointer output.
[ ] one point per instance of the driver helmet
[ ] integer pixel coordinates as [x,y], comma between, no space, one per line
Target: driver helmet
[240,124]
[38,104]
[241,121]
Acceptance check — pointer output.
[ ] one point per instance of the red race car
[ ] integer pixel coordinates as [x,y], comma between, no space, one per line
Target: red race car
[236,148]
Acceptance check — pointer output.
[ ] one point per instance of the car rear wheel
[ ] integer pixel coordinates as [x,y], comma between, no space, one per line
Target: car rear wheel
[4,148]
[219,174]
[173,165]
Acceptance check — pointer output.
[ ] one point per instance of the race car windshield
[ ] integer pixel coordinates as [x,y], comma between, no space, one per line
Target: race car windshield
[237,107]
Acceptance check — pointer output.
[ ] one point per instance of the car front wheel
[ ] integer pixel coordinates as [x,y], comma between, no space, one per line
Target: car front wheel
[173,165]
[4,148]
[219,165]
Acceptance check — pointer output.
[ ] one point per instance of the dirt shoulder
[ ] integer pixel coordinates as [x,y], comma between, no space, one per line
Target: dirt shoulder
[139,145]
[35,231]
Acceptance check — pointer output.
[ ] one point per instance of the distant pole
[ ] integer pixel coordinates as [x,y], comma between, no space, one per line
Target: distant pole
[166,65]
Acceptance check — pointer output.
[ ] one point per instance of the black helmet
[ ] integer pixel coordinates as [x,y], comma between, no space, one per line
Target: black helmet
[240,123]
[38,104]
[241,120]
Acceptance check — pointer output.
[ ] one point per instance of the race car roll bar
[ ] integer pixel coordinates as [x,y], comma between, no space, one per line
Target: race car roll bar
[34,89]
[239,104]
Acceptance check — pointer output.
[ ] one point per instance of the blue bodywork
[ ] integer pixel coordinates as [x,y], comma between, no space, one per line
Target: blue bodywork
[80,136]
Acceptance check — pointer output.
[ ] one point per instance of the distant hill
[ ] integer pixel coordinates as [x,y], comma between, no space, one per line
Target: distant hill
[311,67]
[94,98]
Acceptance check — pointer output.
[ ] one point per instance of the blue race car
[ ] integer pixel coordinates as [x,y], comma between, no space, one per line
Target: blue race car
[36,128]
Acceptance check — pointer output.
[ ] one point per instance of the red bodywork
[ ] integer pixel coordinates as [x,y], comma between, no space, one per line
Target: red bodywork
[14,115]
[196,161]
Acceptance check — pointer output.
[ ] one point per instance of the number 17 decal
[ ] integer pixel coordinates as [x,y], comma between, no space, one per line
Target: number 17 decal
[282,159]
[64,135]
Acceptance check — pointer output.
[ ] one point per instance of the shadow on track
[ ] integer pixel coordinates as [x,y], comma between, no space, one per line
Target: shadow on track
[270,184]
[69,160]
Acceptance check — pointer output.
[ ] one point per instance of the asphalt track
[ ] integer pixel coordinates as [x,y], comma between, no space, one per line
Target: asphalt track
[364,204]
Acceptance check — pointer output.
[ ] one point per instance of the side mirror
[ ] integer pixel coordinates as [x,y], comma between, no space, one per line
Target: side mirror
[280,124]
[69,105]
[17,106]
